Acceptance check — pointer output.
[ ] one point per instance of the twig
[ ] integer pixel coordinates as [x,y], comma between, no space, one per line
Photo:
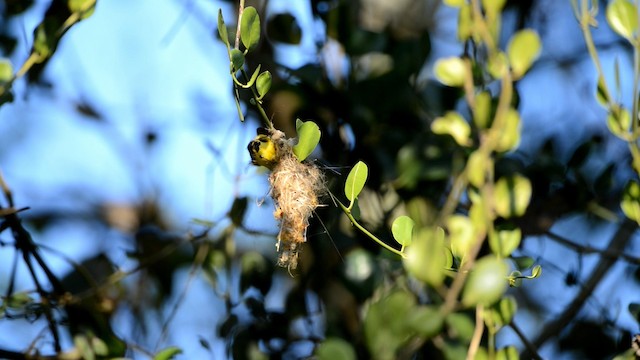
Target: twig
[617,244]
[477,333]
[586,249]
[533,352]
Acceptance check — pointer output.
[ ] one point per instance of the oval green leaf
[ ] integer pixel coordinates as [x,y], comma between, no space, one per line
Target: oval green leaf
[504,242]
[237,60]
[308,138]
[263,84]
[355,181]
[222,29]
[402,230]
[335,348]
[250,28]
[84,8]
[426,321]
[168,353]
[509,137]
[6,71]
[630,203]
[619,121]
[426,257]
[455,125]
[451,71]
[462,234]
[512,195]
[523,49]
[622,16]
[487,282]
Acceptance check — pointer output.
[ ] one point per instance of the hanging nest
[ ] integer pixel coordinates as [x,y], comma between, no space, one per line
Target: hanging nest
[295,188]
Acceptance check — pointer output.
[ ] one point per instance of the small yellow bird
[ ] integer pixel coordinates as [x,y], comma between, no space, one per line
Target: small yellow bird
[262,150]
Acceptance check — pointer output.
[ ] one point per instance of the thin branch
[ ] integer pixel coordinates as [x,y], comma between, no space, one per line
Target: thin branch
[618,242]
[586,249]
[533,352]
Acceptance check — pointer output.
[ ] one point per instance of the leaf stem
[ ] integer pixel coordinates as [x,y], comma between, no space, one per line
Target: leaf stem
[355,223]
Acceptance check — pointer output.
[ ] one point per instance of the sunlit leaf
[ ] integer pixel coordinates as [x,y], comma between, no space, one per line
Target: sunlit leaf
[493,6]
[482,110]
[455,125]
[619,121]
[250,28]
[509,137]
[83,7]
[523,49]
[335,348]
[263,84]
[402,230]
[508,308]
[6,71]
[512,195]
[498,64]
[454,3]
[515,278]
[426,258]
[508,353]
[630,203]
[355,180]
[168,353]
[451,71]
[504,242]
[253,78]
[477,166]
[308,139]
[622,16]
[486,283]
[465,22]
[536,271]
[462,235]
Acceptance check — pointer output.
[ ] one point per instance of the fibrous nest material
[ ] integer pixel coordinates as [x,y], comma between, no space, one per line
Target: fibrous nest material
[296,188]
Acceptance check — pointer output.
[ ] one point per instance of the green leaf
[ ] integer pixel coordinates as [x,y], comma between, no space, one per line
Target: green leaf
[6,71]
[335,348]
[507,308]
[515,278]
[536,272]
[493,6]
[253,78]
[84,348]
[523,49]
[622,16]
[462,234]
[630,203]
[250,28]
[356,180]
[168,353]
[498,64]
[460,326]
[509,137]
[308,139]
[19,300]
[386,324]
[465,22]
[263,84]
[504,242]
[427,321]
[601,93]
[222,29]
[477,166]
[508,353]
[619,121]
[512,195]
[426,257]
[99,346]
[451,71]
[523,262]
[402,230]
[237,60]
[455,125]
[83,7]
[454,3]
[487,282]
[482,110]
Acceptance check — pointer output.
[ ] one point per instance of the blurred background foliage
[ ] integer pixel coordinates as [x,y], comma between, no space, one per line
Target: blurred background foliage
[370,88]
